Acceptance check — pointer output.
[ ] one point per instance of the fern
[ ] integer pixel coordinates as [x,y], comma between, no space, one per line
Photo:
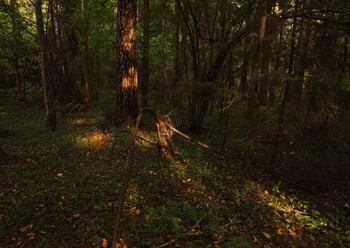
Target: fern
[190,212]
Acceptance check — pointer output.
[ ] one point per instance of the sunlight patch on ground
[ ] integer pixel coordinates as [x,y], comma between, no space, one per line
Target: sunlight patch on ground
[84,121]
[94,141]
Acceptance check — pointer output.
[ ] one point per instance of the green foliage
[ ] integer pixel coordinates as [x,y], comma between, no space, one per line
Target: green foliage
[52,182]
[160,221]
[239,241]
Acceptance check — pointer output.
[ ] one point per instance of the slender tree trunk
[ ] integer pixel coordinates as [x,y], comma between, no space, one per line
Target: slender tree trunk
[126,105]
[286,95]
[244,74]
[16,37]
[272,91]
[84,35]
[145,58]
[266,55]
[49,101]
[253,101]
[176,77]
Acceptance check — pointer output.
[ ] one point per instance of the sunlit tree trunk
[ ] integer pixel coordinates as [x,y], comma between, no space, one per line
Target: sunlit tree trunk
[48,86]
[126,105]
[85,53]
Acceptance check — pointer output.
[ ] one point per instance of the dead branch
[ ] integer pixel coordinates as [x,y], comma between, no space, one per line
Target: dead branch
[204,145]
[190,233]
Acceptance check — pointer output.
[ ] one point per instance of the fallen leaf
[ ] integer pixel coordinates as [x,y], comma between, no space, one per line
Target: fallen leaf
[268,236]
[23,229]
[104,243]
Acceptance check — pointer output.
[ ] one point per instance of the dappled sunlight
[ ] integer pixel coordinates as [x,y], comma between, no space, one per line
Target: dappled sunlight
[94,141]
[84,121]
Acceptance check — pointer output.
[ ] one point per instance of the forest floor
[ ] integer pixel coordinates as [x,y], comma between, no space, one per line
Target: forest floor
[61,189]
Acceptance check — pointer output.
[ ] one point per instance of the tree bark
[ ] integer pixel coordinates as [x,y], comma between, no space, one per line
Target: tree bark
[253,100]
[145,58]
[176,77]
[286,95]
[16,37]
[126,104]
[244,74]
[266,55]
[84,35]
[272,91]
[48,86]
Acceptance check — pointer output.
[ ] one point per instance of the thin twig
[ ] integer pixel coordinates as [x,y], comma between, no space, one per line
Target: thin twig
[116,232]
[189,232]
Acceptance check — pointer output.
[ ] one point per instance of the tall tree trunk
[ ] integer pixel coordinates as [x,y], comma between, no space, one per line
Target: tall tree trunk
[126,105]
[286,95]
[301,63]
[244,74]
[17,38]
[253,101]
[176,77]
[272,91]
[84,35]
[265,59]
[49,101]
[145,52]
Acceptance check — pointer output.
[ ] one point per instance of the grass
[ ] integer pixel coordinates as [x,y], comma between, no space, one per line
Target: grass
[61,189]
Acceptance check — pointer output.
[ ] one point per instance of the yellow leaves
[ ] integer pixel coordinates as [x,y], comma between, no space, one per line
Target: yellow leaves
[77,215]
[23,229]
[268,236]
[97,207]
[59,174]
[31,235]
[138,212]
[292,233]
[104,243]
[13,238]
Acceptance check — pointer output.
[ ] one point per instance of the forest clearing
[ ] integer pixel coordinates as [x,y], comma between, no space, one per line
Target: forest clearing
[183,123]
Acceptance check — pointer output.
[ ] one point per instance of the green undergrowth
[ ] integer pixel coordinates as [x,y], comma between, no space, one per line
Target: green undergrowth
[61,189]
